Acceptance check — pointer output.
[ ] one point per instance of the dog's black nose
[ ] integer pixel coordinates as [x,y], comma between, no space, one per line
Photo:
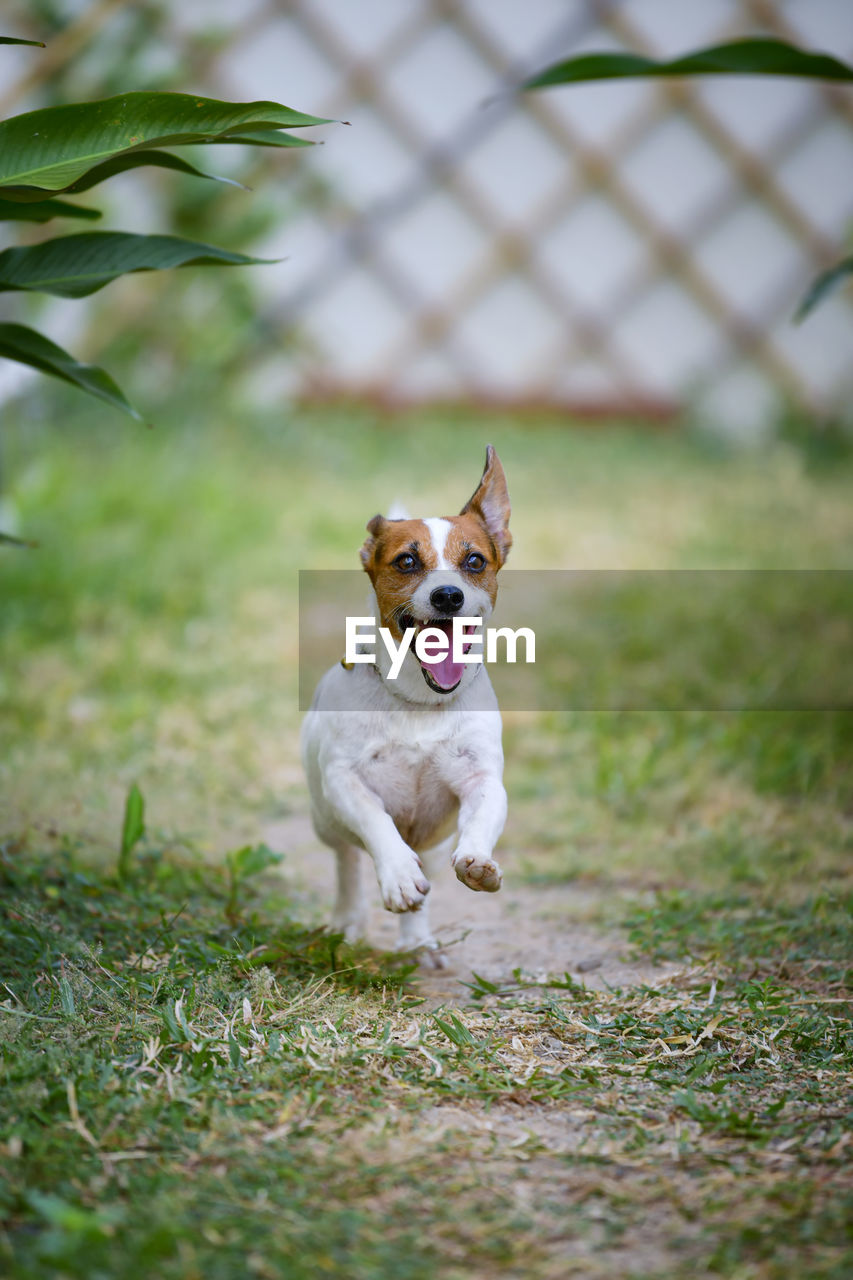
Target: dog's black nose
[447,599]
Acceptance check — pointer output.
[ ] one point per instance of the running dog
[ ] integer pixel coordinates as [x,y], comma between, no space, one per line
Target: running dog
[393,765]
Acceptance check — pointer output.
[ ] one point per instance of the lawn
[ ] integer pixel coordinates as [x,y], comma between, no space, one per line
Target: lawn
[199,1081]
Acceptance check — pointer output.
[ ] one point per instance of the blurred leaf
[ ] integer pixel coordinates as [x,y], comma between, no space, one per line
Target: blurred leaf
[74,1220]
[43,210]
[133,828]
[181,1019]
[27,346]
[15,40]
[823,286]
[74,266]
[54,147]
[251,860]
[6,539]
[66,997]
[755,57]
[136,160]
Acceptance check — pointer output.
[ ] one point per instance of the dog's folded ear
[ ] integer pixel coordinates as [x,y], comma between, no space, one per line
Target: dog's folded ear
[490,503]
[374,528]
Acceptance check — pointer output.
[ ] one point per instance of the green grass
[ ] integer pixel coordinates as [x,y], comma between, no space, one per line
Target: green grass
[194,1084]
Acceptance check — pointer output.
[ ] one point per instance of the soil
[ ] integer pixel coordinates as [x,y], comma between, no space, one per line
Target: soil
[538,930]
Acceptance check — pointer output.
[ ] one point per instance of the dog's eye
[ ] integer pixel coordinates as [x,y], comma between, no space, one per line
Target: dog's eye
[406,562]
[474,562]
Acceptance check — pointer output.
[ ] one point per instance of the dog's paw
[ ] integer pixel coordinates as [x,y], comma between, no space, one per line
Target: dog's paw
[482,874]
[426,951]
[403,885]
[432,957]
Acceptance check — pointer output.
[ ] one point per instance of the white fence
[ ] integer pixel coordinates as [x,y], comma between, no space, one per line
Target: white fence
[600,246]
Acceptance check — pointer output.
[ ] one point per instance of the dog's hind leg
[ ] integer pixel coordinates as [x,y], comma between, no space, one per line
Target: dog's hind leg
[350,912]
[416,935]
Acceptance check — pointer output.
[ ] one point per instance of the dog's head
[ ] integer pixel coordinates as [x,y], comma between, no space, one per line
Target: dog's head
[426,572]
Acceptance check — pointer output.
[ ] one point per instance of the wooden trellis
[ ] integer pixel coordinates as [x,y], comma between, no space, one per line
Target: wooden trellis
[504,248]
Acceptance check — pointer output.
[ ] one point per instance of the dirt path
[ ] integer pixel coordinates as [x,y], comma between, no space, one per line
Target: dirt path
[538,930]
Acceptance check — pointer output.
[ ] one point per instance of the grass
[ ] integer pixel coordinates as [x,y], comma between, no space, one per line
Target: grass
[198,1080]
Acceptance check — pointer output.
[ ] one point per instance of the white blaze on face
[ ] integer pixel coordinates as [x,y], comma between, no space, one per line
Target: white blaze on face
[439,532]
[443,572]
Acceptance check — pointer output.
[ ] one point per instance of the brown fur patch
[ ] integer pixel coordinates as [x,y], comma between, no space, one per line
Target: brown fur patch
[481,526]
[394,588]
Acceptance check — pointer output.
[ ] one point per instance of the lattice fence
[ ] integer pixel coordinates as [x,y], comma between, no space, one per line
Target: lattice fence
[618,244]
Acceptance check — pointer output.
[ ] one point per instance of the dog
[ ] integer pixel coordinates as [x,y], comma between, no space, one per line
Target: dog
[393,764]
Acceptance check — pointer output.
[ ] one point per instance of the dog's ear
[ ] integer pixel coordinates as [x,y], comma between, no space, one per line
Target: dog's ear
[374,528]
[490,503]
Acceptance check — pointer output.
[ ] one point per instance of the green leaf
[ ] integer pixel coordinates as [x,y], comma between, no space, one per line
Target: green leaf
[39,44]
[76,1223]
[133,828]
[136,160]
[182,1018]
[823,286]
[171,1024]
[266,138]
[456,1031]
[27,346]
[6,539]
[75,266]
[43,210]
[752,57]
[66,997]
[481,986]
[251,860]
[54,147]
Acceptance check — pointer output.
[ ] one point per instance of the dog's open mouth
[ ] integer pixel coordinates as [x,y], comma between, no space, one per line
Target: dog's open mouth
[441,674]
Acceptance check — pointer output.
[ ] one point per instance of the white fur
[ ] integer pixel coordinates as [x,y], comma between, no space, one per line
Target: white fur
[409,684]
[439,532]
[393,766]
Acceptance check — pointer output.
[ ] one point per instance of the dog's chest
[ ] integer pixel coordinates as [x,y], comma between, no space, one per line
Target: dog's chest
[412,788]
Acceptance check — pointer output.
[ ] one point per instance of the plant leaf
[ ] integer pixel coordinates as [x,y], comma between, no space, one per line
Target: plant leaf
[455,1031]
[135,160]
[266,138]
[754,57]
[251,860]
[27,346]
[52,148]
[43,210]
[14,40]
[75,266]
[6,539]
[133,828]
[825,284]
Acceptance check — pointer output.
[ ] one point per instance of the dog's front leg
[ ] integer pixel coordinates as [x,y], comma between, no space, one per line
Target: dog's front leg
[359,810]
[482,814]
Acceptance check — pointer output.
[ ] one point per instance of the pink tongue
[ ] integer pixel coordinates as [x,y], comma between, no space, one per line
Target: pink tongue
[444,671]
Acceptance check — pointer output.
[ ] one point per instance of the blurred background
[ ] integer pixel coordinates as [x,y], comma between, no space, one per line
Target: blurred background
[611,249]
